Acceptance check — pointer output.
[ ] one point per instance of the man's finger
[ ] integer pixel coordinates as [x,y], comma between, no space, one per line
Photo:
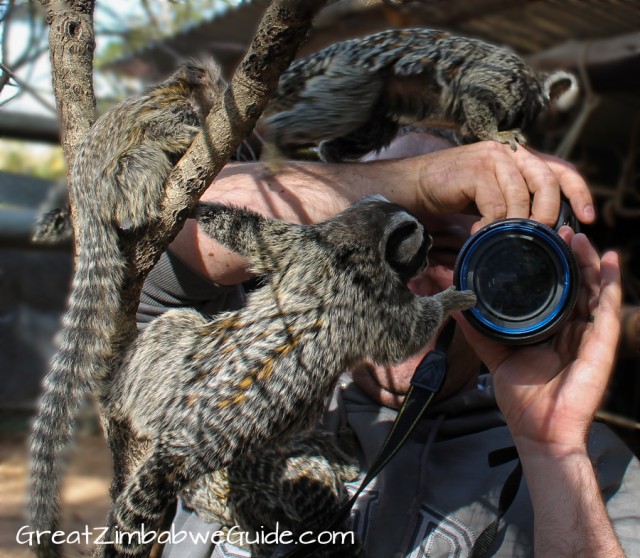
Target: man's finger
[543,184]
[589,266]
[514,189]
[573,187]
[598,349]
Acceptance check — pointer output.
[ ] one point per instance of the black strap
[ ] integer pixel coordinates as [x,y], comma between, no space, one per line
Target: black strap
[425,383]
[508,494]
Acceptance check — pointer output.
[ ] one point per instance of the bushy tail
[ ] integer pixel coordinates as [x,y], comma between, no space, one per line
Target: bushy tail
[76,369]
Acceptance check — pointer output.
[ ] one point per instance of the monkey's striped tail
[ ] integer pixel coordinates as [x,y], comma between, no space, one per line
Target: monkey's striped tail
[76,369]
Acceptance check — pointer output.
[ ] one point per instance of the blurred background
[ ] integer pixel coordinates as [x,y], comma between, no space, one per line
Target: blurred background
[141,41]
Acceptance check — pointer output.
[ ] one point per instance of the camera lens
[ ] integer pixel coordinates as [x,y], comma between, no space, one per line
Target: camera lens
[524,276]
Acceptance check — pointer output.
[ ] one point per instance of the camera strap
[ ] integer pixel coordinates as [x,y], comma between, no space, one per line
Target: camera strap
[508,494]
[425,384]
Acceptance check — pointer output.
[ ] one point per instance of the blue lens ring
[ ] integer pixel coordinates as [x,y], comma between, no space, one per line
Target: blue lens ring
[521,228]
[564,262]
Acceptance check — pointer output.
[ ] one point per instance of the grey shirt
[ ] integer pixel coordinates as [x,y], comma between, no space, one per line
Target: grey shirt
[172,284]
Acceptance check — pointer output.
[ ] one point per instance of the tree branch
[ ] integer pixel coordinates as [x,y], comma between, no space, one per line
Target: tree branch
[284,25]
[71,45]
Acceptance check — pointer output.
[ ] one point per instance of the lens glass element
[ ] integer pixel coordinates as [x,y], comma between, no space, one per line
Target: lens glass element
[516,278]
[525,279]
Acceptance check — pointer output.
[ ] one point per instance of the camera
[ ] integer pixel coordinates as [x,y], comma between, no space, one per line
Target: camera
[525,278]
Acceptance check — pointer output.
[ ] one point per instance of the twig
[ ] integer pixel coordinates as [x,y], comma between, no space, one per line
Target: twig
[28,88]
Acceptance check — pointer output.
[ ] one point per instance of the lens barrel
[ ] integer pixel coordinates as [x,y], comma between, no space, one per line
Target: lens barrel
[525,278]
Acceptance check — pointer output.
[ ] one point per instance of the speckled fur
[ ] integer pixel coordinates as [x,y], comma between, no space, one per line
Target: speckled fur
[351,97]
[117,184]
[205,392]
[299,485]
[53,224]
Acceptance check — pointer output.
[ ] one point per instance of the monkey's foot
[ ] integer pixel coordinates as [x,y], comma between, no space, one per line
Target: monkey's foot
[512,137]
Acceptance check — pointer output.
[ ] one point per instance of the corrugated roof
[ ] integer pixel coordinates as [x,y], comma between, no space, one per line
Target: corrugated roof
[539,26]
[528,26]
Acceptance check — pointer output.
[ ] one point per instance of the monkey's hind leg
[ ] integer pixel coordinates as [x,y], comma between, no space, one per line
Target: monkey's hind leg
[482,122]
[141,507]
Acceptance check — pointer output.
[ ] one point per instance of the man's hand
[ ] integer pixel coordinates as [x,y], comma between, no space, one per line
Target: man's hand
[500,183]
[549,393]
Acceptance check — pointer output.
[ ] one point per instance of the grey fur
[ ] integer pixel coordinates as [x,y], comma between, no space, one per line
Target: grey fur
[53,224]
[299,485]
[118,183]
[351,97]
[199,394]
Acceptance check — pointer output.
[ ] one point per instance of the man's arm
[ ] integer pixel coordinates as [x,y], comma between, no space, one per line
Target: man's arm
[487,177]
[570,517]
[549,395]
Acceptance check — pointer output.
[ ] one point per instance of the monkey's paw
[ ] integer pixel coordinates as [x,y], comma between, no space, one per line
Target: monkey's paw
[512,137]
[453,300]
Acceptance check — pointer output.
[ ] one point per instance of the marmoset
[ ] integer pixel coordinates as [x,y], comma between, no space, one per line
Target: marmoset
[118,183]
[200,393]
[351,97]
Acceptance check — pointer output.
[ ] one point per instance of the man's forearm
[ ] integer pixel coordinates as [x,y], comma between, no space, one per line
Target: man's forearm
[301,193]
[308,192]
[570,517]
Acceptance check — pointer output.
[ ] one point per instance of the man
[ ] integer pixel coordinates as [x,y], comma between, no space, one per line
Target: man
[440,492]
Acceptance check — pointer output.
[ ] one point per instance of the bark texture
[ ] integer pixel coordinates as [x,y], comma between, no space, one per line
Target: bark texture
[71,48]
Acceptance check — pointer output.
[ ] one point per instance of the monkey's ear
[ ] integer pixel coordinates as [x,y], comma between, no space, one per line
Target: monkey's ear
[407,244]
[561,88]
